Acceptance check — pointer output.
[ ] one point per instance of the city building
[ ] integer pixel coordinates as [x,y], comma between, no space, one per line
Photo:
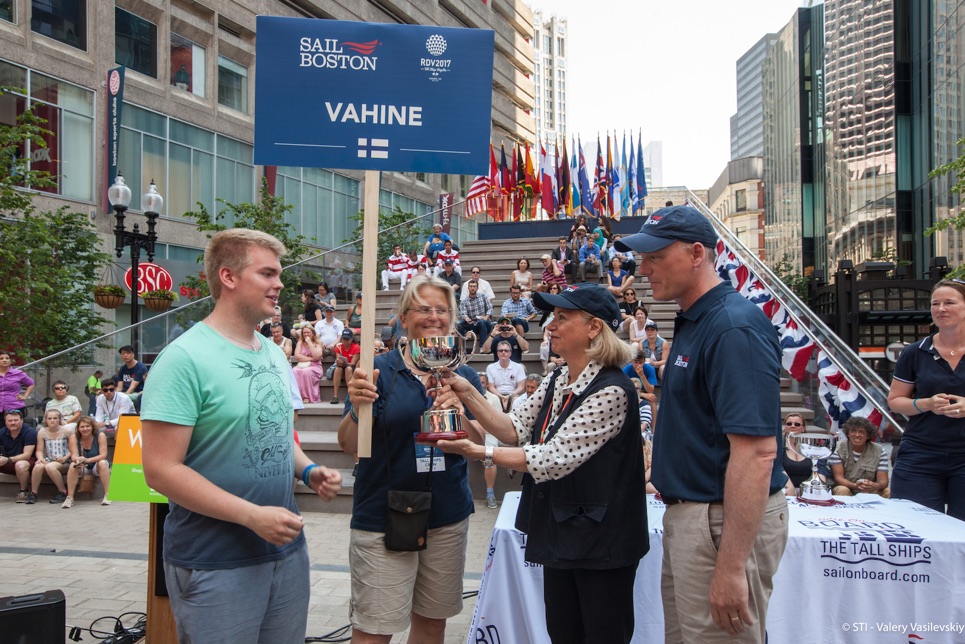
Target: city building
[747,124]
[187,118]
[653,163]
[737,198]
[549,52]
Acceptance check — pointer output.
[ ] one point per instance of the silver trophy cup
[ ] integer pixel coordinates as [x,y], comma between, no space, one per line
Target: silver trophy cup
[434,356]
[814,446]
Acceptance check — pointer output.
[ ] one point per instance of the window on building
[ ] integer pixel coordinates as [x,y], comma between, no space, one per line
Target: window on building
[8,10]
[63,20]
[560,51]
[232,84]
[69,114]
[187,65]
[420,176]
[740,196]
[323,202]
[189,164]
[135,43]
[447,182]
[547,44]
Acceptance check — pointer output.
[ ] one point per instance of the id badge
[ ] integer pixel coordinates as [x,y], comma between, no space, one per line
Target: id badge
[422,455]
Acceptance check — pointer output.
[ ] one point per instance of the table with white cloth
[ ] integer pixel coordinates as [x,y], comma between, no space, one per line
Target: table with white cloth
[865,571]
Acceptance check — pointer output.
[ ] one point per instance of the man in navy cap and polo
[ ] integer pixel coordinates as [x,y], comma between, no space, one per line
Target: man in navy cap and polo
[716,440]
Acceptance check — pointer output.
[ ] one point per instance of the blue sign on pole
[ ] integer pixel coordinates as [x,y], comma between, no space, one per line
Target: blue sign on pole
[372,96]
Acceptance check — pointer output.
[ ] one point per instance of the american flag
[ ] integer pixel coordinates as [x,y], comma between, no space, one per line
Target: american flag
[478,195]
[841,399]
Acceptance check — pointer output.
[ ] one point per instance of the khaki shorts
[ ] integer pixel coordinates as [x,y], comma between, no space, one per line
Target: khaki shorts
[388,586]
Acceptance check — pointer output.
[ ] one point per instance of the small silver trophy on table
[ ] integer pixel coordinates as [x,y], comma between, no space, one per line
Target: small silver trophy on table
[815,446]
[434,356]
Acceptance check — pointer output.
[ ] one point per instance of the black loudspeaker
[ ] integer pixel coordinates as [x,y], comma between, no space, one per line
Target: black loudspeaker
[40,618]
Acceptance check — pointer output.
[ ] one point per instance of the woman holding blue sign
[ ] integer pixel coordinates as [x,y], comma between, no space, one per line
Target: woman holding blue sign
[417,587]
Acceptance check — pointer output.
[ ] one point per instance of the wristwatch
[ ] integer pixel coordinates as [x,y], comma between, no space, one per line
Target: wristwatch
[488,461]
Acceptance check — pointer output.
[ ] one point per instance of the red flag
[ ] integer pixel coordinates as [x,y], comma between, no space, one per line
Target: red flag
[493,169]
[548,182]
[505,181]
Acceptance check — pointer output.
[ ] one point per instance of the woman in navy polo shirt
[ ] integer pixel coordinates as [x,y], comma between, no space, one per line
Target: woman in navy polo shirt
[929,388]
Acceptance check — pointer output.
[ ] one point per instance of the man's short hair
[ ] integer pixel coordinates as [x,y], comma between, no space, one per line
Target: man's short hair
[535,377]
[516,287]
[229,249]
[501,343]
[107,382]
[126,349]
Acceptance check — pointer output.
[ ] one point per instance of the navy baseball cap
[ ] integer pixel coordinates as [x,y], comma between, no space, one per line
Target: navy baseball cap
[594,299]
[347,333]
[667,225]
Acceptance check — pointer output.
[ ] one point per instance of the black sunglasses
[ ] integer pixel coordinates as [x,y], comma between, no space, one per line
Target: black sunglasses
[109,389]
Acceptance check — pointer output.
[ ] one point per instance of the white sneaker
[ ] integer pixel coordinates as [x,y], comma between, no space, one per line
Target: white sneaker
[68,503]
[104,501]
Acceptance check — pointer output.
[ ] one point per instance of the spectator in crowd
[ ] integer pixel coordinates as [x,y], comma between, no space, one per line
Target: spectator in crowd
[581,222]
[417,259]
[281,339]
[53,458]
[329,330]
[391,590]
[132,374]
[436,242]
[548,315]
[928,389]
[88,455]
[275,319]
[602,234]
[578,241]
[637,328]
[646,377]
[668,204]
[505,332]
[325,296]
[566,259]
[18,443]
[485,288]
[617,279]
[451,277]
[347,354]
[92,389]
[545,351]
[15,385]
[589,260]
[552,274]
[490,470]
[507,379]
[529,388]
[68,406]
[520,310]
[396,268]
[628,262]
[522,277]
[628,307]
[475,312]
[219,443]
[859,465]
[111,405]
[313,310]
[308,365]
[656,347]
[447,253]
[353,319]
[797,468]
[577,438]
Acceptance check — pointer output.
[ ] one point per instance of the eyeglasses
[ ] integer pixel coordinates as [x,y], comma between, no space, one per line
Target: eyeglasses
[60,388]
[793,424]
[428,310]
[504,351]
[474,272]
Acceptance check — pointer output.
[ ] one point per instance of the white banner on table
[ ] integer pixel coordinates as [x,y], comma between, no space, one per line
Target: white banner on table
[868,571]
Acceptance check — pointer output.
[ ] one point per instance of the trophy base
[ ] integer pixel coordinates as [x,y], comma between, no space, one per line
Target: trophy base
[822,502]
[432,437]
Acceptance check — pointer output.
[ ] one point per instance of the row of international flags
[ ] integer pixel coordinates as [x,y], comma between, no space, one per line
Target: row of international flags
[560,184]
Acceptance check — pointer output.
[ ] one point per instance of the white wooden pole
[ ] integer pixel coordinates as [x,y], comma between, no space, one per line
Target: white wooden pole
[370,258]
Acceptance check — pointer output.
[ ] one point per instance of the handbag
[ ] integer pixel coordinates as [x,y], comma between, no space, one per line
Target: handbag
[407,520]
[406,511]
[86,484]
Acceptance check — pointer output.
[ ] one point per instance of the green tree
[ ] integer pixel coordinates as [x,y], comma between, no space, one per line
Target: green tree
[395,227]
[957,168]
[268,215]
[50,259]
[792,278]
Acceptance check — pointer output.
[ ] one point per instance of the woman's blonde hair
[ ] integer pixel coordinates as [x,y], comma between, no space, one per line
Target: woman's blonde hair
[606,348]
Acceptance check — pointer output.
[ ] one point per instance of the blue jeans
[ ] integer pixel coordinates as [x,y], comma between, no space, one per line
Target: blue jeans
[931,478]
[480,327]
[263,603]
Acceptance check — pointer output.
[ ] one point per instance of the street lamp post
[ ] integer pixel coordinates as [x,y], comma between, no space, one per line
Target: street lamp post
[120,197]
